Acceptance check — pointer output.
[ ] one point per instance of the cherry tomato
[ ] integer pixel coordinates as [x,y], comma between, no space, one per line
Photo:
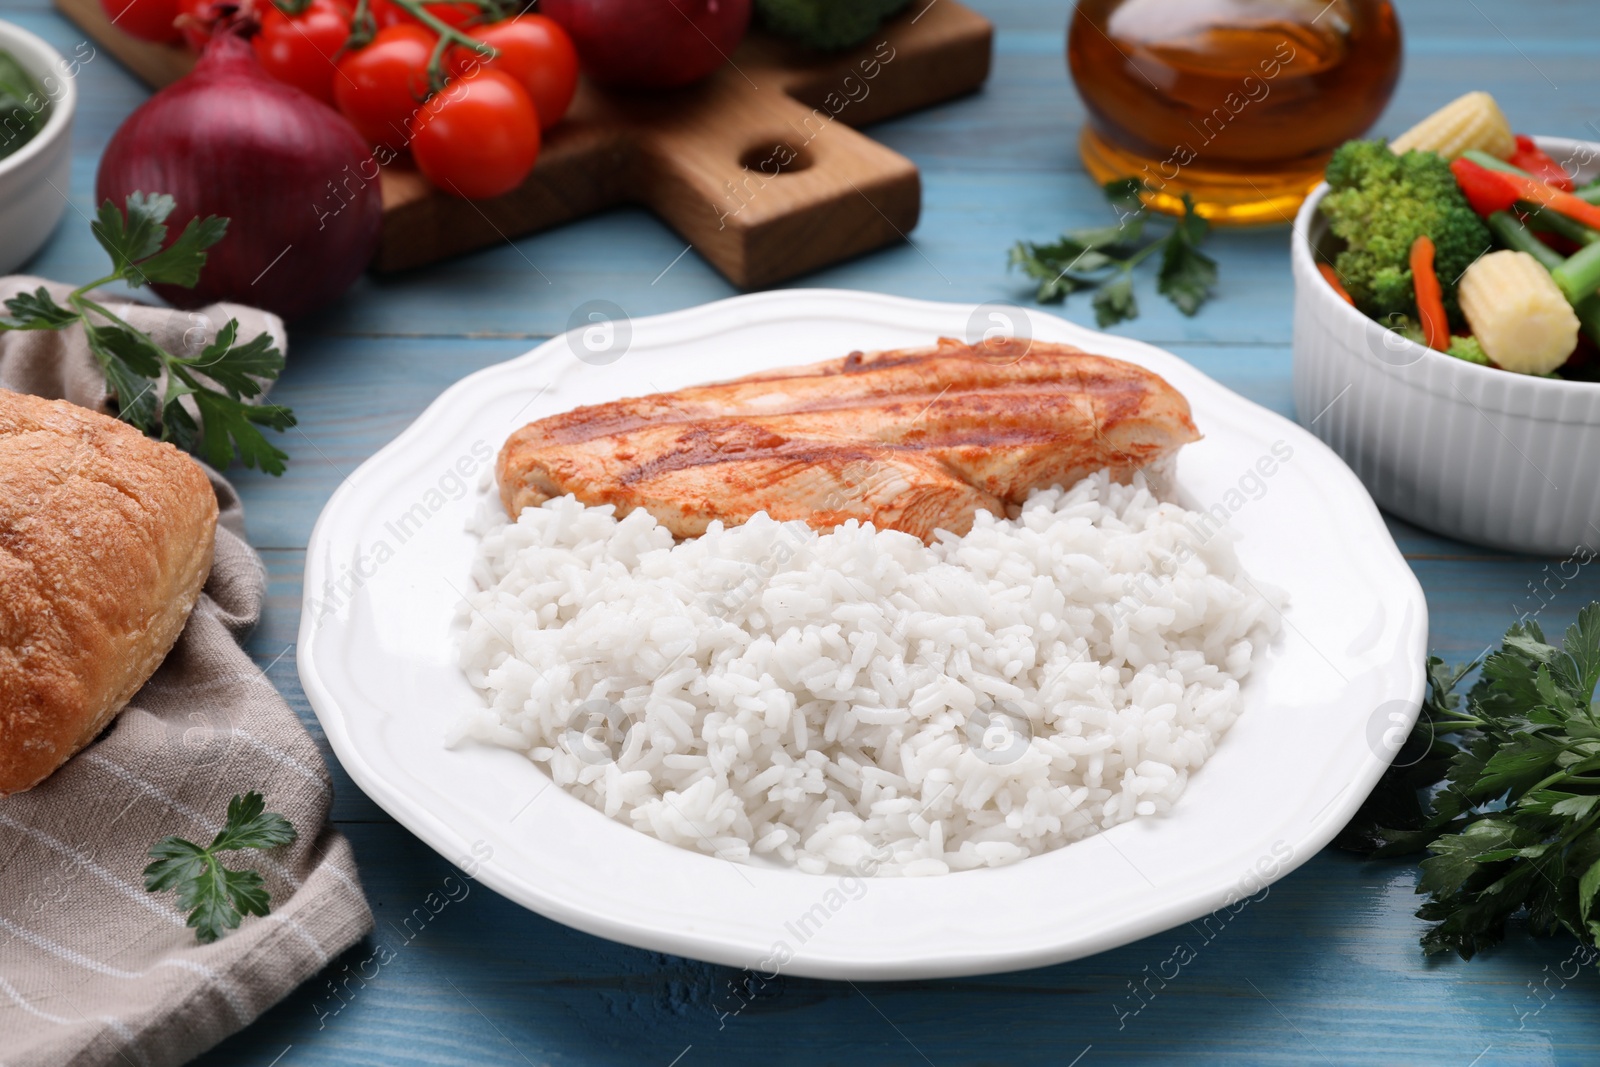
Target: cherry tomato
[479,137]
[457,15]
[148,20]
[301,50]
[381,86]
[537,52]
[385,13]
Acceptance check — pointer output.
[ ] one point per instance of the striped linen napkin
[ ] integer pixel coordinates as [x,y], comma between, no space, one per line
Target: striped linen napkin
[93,969]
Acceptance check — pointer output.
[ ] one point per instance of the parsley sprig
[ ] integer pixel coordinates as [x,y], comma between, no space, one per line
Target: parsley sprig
[1510,808]
[216,897]
[150,383]
[1103,258]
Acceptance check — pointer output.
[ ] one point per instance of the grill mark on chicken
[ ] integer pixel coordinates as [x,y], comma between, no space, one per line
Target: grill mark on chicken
[948,429]
[951,368]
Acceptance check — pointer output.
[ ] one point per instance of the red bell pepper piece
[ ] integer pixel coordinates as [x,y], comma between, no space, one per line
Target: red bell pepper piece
[1533,159]
[1483,188]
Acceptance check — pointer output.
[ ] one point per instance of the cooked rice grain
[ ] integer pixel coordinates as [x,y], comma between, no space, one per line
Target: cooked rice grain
[858,700]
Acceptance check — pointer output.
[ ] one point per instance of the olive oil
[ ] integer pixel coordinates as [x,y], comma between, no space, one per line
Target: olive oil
[1237,102]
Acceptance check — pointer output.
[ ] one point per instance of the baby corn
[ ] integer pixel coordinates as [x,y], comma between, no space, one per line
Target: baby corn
[1470,121]
[1517,312]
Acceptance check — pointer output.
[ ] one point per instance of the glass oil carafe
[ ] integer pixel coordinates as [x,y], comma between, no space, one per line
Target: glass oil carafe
[1237,102]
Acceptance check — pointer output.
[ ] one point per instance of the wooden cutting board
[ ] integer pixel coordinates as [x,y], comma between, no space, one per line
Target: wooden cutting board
[758,166]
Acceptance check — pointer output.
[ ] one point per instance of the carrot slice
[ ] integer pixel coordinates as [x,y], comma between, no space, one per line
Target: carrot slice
[1430,299]
[1562,203]
[1332,278]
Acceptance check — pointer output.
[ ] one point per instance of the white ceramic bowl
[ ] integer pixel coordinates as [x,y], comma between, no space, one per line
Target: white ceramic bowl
[1484,455]
[34,179]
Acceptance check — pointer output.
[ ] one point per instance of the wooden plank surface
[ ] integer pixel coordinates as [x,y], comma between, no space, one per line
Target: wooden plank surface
[1324,969]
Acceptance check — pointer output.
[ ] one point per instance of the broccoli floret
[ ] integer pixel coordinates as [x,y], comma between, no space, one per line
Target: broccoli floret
[1380,203]
[1469,349]
[829,25]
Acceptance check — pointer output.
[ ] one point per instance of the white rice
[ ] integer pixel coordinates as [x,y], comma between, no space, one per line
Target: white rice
[820,699]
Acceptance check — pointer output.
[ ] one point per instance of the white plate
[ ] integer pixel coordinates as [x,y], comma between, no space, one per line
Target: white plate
[377,659]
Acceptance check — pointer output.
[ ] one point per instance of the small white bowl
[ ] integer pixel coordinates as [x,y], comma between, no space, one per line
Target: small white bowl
[34,179]
[1480,454]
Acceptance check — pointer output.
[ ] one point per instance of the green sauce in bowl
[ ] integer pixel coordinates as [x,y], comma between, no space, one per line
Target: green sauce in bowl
[24,106]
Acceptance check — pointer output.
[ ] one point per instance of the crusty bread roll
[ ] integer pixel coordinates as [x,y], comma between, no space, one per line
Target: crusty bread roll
[105,541]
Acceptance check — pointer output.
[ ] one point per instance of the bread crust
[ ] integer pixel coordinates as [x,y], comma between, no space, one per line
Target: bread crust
[106,539]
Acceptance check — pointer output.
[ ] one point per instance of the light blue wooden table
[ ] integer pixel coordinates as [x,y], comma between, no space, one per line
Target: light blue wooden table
[1324,969]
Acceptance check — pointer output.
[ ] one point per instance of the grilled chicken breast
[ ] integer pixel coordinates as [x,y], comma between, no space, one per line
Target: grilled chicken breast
[912,439]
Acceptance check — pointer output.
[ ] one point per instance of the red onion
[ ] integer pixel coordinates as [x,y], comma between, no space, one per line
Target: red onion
[292,175]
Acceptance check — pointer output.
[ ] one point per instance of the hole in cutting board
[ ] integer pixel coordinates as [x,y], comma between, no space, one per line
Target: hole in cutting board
[772,158]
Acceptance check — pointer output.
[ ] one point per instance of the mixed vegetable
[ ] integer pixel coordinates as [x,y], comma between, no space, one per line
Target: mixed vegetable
[1472,240]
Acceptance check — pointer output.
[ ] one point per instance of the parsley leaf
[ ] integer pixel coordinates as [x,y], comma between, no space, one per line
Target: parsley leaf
[137,352]
[136,235]
[1187,275]
[131,363]
[1127,196]
[1501,786]
[180,262]
[1103,259]
[37,310]
[228,425]
[1040,262]
[236,367]
[1588,892]
[200,403]
[216,897]
[251,825]
[1115,302]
